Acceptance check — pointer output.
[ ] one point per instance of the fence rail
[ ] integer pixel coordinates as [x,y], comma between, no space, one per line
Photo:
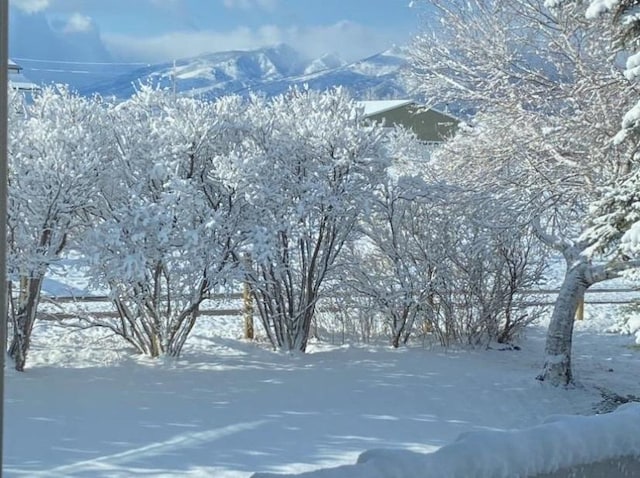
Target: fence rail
[239,296]
[65,299]
[240,310]
[112,315]
[586,301]
[588,291]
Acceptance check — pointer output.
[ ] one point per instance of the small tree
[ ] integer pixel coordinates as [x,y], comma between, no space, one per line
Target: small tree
[58,148]
[394,262]
[432,256]
[309,166]
[167,223]
[486,269]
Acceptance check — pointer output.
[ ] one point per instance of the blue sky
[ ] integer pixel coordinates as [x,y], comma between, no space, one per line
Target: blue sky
[160,30]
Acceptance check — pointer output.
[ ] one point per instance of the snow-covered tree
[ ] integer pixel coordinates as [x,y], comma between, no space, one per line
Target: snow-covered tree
[390,265]
[167,222]
[58,148]
[310,164]
[489,260]
[433,257]
[543,91]
[393,264]
[614,218]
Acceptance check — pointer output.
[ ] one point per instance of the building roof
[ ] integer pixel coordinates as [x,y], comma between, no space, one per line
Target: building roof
[428,124]
[376,107]
[17,80]
[23,85]
[13,66]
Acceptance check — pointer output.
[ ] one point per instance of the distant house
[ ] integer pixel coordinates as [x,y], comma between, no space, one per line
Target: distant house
[17,80]
[429,125]
[14,68]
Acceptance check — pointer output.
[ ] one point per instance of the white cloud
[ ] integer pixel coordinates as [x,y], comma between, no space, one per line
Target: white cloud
[350,40]
[78,23]
[179,44]
[31,6]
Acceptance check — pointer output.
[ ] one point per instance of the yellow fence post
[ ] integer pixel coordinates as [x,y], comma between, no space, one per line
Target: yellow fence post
[24,283]
[580,310]
[247,307]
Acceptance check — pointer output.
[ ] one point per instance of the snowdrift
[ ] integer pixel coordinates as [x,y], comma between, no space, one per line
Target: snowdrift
[585,446]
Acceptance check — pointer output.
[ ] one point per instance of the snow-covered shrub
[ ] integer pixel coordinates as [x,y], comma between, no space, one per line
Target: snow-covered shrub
[478,288]
[310,164]
[393,261]
[347,318]
[59,145]
[630,323]
[168,221]
[430,261]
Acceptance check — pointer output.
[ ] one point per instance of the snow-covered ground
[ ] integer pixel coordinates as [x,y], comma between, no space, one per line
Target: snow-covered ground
[88,407]
[593,446]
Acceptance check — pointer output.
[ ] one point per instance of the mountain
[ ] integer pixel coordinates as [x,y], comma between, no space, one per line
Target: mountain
[329,61]
[271,70]
[375,77]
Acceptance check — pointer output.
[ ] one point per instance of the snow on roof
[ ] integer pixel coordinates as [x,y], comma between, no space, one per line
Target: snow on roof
[17,80]
[13,66]
[20,82]
[23,85]
[375,107]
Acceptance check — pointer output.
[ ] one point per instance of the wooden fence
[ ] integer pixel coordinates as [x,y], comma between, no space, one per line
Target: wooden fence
[246,310]
[587,300]
[245,306]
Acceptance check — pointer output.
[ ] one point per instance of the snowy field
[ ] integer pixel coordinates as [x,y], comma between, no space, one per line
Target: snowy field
[88,407]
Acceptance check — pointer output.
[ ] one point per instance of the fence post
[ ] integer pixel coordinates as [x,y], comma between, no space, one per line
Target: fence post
[247,306]
[24,284]
[580,310]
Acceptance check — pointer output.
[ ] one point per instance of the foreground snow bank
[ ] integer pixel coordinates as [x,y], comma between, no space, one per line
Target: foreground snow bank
[561,443]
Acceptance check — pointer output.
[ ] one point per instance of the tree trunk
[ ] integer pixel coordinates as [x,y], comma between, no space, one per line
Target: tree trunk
[23,321]
[304,328]
[557,367]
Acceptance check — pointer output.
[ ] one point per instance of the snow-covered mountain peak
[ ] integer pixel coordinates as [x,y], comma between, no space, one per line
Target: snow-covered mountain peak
[270,70]
[328,61]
